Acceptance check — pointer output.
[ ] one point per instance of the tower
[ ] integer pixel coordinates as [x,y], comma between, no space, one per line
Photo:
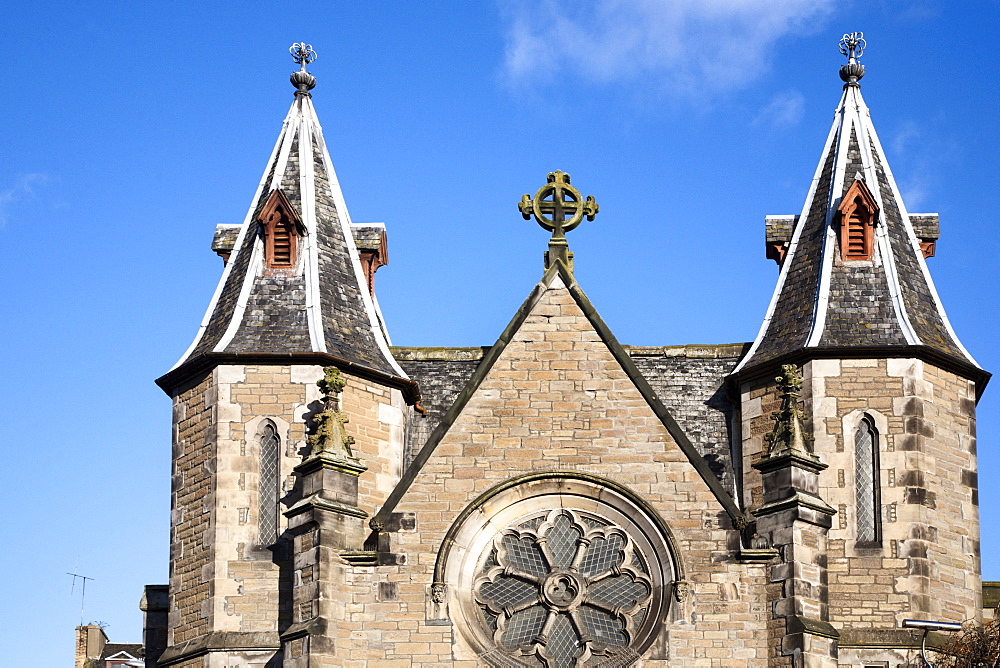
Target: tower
[876,519]
[565,499]
[294,299]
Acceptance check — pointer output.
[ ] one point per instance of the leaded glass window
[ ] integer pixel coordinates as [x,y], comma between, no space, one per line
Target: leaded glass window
[267,506]
[564,589]
[866,481]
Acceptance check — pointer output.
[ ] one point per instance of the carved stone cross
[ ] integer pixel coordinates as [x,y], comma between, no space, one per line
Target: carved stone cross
[558,206]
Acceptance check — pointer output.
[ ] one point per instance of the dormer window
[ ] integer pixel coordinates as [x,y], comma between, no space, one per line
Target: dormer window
[856,215]
[281,229]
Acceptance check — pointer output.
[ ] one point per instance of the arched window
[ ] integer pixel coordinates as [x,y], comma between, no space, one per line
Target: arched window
[866,482]
[857,212]
[270,479]
[279,225]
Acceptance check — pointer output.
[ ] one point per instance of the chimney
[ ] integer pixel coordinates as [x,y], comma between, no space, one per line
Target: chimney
[155,605]
[90,641]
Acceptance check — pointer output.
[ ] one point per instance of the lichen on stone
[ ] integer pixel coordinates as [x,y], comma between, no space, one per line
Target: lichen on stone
[329,435]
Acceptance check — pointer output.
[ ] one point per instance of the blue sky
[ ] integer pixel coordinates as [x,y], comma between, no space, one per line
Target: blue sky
[132,129]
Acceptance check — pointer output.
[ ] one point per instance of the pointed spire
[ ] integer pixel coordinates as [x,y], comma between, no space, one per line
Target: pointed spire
[294,284]
[853,276]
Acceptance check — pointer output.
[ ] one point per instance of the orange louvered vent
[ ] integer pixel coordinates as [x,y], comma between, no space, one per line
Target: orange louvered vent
[280,228]
[857,214]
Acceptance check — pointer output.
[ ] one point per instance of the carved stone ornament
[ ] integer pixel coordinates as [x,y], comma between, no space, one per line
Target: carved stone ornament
[329,435]
[557,206]
[564,590]
[681,590]
[439,593]
[788,436]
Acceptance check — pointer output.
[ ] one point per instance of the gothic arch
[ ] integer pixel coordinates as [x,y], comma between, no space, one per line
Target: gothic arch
[266,439]
[864,433]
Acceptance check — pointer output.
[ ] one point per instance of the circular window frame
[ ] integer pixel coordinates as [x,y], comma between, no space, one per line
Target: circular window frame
[470,540]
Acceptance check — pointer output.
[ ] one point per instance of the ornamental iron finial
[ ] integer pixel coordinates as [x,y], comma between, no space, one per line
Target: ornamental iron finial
[302,54]
[852,45]
[789,436]
[559,208]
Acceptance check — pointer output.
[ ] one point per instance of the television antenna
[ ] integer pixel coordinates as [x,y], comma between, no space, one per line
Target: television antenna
[83,588]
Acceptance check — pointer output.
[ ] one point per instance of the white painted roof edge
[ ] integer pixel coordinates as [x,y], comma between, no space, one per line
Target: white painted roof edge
[915,245]
[238,244]
[307,193]
[866,130]
[793,245]
[822,302]
[374,315]
[290,128]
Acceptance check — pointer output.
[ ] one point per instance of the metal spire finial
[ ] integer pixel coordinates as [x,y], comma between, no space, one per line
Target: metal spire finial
[302,54]
[852,45]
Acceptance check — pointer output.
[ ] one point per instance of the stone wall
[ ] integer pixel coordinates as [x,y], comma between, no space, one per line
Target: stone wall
[223,580]
[557,400]
[926,564]
[689,380]
[192,494]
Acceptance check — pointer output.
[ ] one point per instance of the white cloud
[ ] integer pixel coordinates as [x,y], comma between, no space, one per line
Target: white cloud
[784,109]
[909,135]
[692,47]
[918,153]
[23,187]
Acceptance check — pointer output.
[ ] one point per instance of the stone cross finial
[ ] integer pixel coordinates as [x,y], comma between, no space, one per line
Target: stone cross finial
[558,199]
[559,208]
[789,436]
[329,435]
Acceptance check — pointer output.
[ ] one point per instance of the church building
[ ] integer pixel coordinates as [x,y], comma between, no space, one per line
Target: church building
[560,499]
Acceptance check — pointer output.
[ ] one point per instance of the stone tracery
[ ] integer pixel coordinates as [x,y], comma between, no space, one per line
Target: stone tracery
[563,589]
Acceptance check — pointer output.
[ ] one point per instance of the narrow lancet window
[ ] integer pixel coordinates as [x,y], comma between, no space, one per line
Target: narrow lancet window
[279,225]
[866,481]
[268,490]
[857,213]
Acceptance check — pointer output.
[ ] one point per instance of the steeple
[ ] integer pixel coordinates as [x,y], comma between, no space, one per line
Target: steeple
[294,284]
[853,276]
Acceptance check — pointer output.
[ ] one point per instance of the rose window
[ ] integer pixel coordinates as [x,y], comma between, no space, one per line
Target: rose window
[564,589]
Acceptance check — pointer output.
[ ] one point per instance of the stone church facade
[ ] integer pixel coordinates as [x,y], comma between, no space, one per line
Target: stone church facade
[559,499]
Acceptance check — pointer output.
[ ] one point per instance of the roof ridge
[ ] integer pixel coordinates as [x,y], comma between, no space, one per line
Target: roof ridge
[557,268]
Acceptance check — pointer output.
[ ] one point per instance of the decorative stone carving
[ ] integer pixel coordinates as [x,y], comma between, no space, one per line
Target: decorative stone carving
[562,590]
[789,436]
[681,590]
[329,435]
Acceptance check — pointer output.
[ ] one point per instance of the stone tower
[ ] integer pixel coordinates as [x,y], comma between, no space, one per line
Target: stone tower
[565,499]
[296,297]
[875,518]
